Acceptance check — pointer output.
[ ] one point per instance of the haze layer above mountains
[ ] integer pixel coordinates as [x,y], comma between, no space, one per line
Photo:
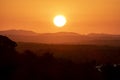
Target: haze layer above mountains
[61,37]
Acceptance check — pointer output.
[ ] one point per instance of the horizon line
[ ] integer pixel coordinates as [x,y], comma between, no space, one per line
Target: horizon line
[60,32]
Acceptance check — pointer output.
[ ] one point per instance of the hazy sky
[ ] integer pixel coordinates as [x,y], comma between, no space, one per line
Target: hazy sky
[83,16]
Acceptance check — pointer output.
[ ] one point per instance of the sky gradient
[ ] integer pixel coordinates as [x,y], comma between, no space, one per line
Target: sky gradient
[83,16]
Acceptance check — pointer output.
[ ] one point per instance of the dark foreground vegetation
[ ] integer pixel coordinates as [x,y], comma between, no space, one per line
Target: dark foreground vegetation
[30,66]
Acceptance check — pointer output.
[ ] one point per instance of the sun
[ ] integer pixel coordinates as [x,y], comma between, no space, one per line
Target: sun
[59,20]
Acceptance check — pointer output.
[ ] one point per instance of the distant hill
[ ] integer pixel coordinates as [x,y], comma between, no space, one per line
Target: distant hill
[18,32]
[62,37]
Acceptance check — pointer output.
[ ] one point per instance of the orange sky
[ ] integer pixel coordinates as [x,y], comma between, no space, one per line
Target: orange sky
[84,16]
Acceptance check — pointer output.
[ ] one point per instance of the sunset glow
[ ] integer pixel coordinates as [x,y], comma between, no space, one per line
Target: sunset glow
[83,16]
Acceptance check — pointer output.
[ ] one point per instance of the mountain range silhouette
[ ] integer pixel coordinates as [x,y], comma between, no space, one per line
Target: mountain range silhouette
[61,37]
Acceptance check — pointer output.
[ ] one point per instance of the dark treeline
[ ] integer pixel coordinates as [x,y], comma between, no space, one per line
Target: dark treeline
[29,66]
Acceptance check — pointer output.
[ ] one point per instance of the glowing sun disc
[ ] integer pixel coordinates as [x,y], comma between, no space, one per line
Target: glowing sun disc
[59,21]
